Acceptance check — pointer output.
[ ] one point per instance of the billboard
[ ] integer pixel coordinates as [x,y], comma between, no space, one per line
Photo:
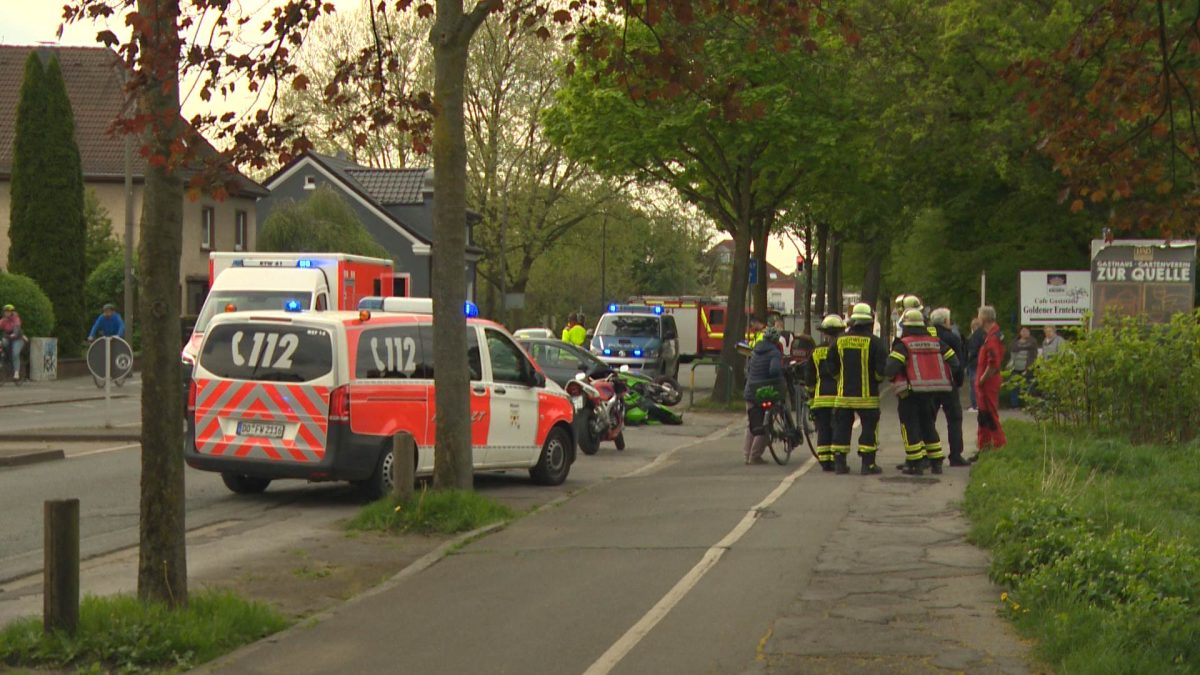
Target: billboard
[1055,297]
[1149,277]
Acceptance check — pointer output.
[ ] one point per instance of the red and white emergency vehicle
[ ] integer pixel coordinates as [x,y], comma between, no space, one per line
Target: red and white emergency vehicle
[311,281]
[319,395]
[699,320]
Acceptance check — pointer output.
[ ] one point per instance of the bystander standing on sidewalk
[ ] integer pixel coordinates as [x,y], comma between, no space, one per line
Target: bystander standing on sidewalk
[974,344]
[1052,343]
[990,435]
[1022,356]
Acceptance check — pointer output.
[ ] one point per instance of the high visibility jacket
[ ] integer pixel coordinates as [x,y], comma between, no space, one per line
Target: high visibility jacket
[576,335]
[822,389]
[897,368]
[856,360]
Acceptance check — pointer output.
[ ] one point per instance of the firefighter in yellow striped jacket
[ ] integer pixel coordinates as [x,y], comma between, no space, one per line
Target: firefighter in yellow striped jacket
[822,390]
[857,360]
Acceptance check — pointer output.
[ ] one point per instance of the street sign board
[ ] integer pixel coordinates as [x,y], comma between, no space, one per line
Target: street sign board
[1147,277]
[753,271]
[118,353]
[1055,297]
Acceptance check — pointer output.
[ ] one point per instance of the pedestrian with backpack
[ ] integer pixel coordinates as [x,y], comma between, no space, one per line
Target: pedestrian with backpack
[920,366]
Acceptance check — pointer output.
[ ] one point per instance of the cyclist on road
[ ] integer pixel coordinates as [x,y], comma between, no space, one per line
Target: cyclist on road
[108,324]
[764,368]
[12,338]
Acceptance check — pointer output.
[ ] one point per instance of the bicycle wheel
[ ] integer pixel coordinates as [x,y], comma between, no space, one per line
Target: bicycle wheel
[780,432]
[806,427]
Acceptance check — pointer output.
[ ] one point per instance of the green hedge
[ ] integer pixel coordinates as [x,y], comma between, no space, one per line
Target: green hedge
[1097,543]
[1127,378]
[35,308]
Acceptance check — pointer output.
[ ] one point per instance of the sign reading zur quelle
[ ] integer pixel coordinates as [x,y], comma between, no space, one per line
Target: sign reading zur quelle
[1153,278]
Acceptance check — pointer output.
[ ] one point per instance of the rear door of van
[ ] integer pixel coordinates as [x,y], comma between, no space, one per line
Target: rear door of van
[262,391]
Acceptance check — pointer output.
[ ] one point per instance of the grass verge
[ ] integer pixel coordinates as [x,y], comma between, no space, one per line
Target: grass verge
[707,404]
[430,512]
[119,633]
[1098,545]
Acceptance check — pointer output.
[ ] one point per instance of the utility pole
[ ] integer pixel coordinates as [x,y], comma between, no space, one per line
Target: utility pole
[603,258]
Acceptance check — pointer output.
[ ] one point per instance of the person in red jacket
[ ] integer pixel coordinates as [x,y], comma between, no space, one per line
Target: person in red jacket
[987,387]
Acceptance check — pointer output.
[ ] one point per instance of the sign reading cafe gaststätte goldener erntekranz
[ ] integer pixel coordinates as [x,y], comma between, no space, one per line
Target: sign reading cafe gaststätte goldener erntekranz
[1142,277]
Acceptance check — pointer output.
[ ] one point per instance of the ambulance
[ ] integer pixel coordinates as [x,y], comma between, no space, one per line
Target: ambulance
[312,281]
[318,396]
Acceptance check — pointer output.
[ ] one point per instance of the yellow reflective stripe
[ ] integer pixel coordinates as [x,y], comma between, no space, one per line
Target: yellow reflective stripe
[864,375]
[898,356]
[949,354]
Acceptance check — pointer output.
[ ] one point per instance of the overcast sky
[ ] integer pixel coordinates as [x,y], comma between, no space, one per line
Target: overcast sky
[35,21]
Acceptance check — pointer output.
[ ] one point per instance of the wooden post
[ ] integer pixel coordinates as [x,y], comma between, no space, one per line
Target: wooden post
[60,608]
[404,452]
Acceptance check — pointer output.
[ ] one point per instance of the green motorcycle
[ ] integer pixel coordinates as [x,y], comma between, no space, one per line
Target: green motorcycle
[649,399]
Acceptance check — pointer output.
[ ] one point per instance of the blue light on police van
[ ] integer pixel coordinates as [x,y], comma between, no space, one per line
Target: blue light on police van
[292,306]
[637,353]
[658,309]
[304,263]
[470,309]
[607,351]
[613,307]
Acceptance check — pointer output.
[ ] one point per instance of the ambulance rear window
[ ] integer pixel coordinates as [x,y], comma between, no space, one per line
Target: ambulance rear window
[267,353]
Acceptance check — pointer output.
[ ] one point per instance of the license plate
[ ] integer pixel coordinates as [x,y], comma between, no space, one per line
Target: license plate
[264,429]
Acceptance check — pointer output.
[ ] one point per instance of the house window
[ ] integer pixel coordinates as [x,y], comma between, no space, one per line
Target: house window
[239,231]
[310,183]
[197,291]
[207,216]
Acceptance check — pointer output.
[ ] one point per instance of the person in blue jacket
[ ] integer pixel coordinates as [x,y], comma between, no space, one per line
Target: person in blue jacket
[108,324]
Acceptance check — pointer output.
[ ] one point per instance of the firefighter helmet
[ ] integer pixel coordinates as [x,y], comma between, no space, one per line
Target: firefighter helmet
[912,302]
[832,322]
[862,312]
[912,317]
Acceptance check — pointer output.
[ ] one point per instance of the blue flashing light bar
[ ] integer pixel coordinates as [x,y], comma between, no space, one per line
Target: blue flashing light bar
[470,309]
[658,309]
[635,309]
[607,351]
[304,263]
[292,306]
[614,307]
[637,353]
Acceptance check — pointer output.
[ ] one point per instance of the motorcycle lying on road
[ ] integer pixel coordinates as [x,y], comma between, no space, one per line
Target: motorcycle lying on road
[599,398]
[663,390]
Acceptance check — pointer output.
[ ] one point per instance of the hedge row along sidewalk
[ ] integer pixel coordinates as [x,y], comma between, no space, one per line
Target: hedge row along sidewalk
[1098,545]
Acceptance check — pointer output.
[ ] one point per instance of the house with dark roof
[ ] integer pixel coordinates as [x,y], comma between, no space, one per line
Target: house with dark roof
[95,80]
[395,205]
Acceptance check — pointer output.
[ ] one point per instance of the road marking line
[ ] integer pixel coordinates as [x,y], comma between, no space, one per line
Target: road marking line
[104,450]
[82,405]
[609,659]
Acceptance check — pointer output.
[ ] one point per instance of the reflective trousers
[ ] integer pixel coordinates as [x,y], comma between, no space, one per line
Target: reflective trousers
[917,428]
[823,418]
[843,426]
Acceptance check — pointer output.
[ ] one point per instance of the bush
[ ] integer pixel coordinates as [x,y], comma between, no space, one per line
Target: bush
[1102,382]
[35,308]
[120,633]
[441,511]
[323,222]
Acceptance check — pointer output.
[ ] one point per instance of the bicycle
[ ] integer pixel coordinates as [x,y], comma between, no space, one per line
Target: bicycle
[783,434]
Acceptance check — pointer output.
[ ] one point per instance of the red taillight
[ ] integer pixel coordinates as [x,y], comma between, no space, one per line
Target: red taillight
[339,404]
[191,405]
[766,405]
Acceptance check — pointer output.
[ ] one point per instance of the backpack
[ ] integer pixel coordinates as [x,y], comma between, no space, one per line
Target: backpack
[925,369]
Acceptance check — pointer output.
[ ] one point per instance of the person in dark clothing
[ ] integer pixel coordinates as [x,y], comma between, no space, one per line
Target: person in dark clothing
[822,390]
[856,361]
[974,344]
[763,368]
[919,366]
[950,401]
[1022,356]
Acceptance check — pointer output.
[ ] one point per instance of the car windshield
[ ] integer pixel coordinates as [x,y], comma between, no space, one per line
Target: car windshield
[622,325]
[247,301]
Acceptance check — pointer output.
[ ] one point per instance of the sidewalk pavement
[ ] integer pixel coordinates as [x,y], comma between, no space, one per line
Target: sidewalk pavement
[66,390]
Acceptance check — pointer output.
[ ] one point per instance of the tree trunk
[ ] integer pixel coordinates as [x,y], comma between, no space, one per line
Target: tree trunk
[162,555]
[834,284]
[762,236]
[735,316]
[873,277]
[823,254]
[808,278]
[452,464]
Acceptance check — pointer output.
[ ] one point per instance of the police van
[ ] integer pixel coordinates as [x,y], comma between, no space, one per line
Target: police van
[318,396]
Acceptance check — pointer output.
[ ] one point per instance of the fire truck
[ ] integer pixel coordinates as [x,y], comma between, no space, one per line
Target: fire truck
[700,321]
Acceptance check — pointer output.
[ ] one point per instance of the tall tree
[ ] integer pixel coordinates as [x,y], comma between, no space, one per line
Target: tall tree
[48,232]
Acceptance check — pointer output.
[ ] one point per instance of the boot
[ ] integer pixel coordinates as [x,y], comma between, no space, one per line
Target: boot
[868,465]
[935,466]
[839,461]
[957,460]
[913,468]
[827,465]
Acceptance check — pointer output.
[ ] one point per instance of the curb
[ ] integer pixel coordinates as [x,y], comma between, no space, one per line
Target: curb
[52,435]
[52,401]
[35,457]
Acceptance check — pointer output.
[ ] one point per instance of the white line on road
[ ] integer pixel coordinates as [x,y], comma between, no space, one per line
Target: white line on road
[104,450]
[82,405]
[609,659]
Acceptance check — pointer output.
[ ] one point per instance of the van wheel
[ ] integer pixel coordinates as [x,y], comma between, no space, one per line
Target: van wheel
[243,484]
[380,482]
[553,465]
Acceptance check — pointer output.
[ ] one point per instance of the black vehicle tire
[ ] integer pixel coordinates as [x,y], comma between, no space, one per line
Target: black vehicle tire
[670,391]
[620,441]
[379,485]
[589,443]
[555,461]
[244,485]
[779,432]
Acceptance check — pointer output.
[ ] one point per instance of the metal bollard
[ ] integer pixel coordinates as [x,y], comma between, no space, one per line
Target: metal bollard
[404,454]
[60,578]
